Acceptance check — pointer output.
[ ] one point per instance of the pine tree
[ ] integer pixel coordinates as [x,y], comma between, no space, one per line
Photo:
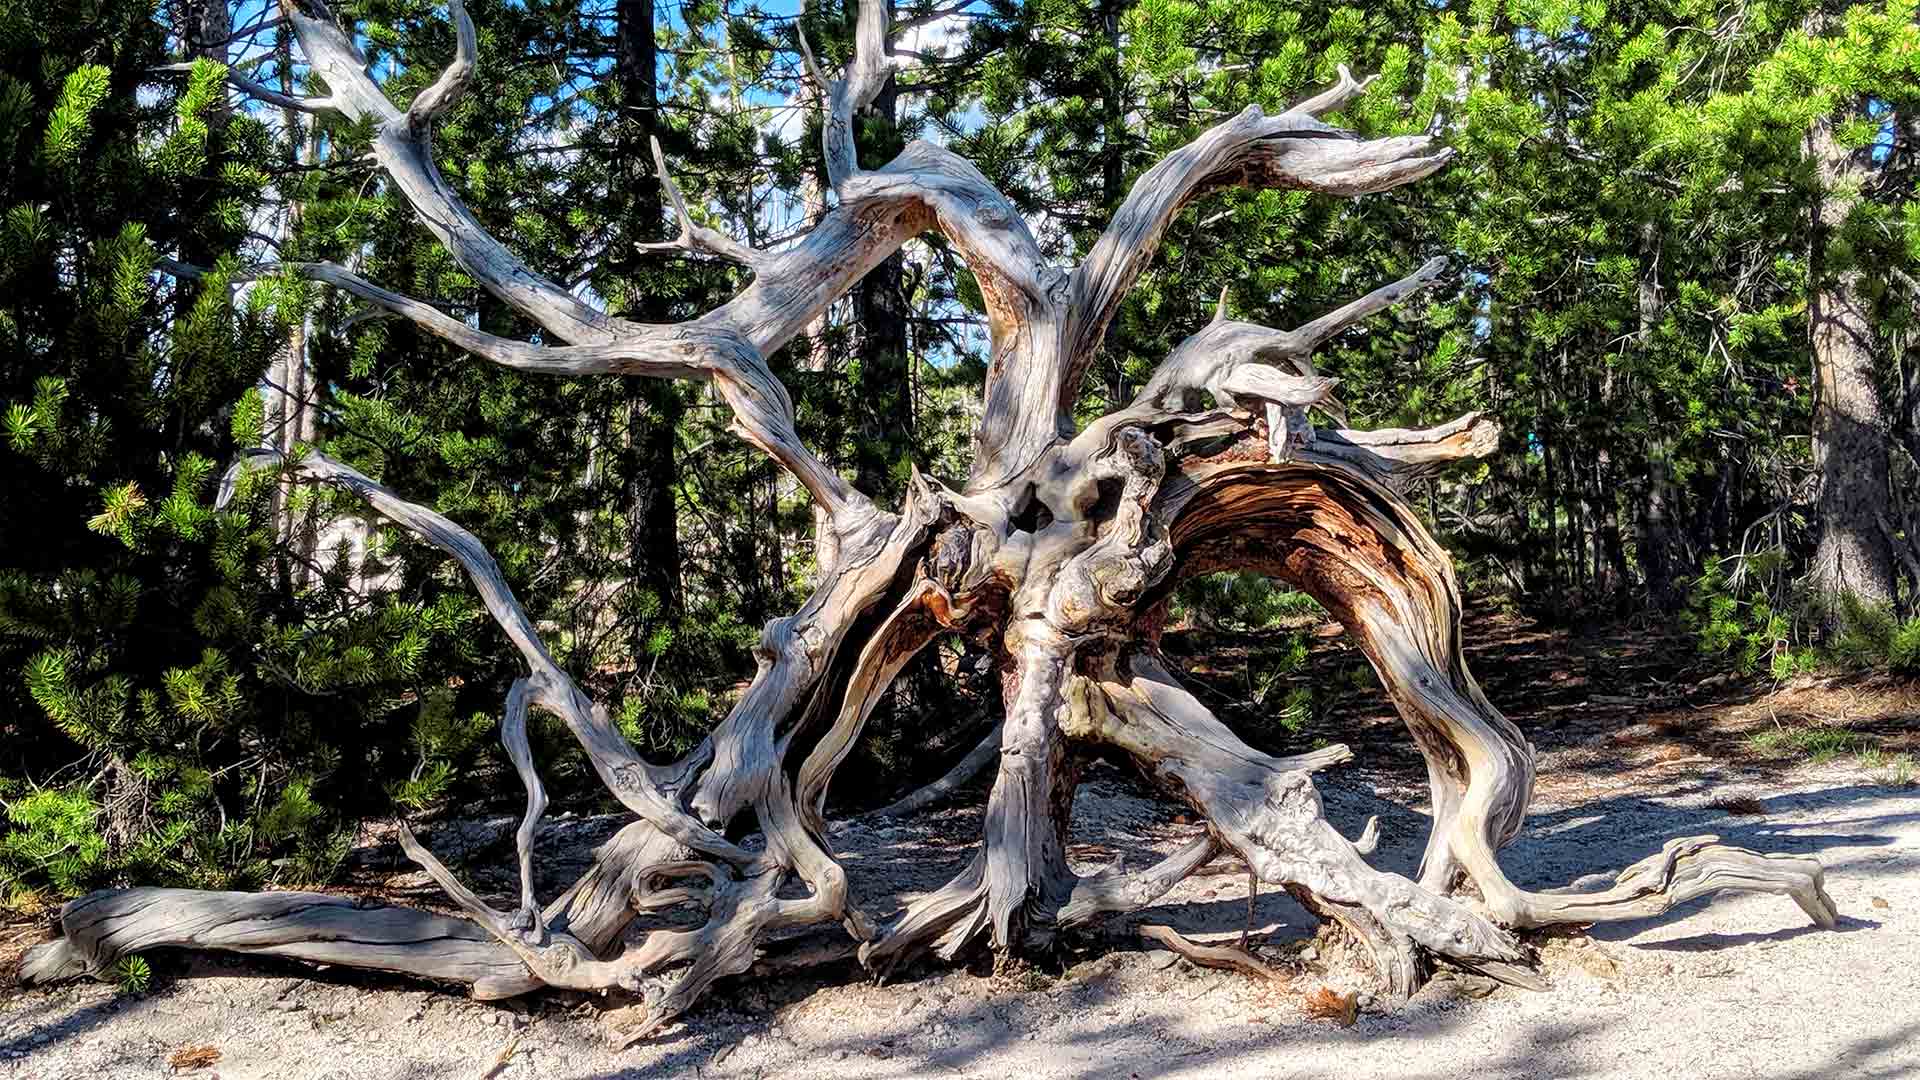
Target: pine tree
[174,712]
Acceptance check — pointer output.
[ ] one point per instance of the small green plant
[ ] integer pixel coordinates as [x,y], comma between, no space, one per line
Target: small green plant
[53,837]
[1744,624]
[1817,744]
[1269,672]
[1893,769]
[1873,638]
[133,975]
[1240,601]
[1297,713]
[1290,660]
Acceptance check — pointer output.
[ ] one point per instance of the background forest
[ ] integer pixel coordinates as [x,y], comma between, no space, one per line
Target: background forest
[1684,247]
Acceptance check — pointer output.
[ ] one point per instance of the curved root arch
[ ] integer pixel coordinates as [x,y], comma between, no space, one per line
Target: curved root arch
[1359,550]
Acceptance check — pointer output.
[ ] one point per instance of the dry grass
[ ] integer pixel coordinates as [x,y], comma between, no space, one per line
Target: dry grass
[1327,1003]
[193,1057]
[1742,805]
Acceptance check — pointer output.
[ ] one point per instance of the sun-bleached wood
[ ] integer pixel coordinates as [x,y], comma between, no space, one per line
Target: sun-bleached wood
[1060,551]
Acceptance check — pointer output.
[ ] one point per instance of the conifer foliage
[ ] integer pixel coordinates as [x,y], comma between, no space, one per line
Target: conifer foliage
[174,712]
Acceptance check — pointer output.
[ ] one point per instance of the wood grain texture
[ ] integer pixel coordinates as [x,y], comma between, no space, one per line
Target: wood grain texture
[1060,550]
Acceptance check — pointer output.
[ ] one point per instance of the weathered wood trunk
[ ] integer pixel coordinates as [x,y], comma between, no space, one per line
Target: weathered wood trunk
[1060,549]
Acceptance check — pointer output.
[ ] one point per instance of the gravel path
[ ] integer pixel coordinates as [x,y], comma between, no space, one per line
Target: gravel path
[1738,988]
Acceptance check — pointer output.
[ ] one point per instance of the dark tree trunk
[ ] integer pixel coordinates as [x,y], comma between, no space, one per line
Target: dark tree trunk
[1114,130]
[1659,554]
[1552,508]
[880,312]
[653,409]
[1658,546]
[1610,551]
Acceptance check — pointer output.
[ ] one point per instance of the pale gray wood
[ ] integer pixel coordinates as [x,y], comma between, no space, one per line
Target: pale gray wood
[101,927]
[1270,815]
[1116,891]
[1362,552]
[694,236]
[1061,549]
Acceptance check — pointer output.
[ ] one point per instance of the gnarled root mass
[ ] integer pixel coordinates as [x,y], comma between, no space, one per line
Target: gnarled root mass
[1060,553]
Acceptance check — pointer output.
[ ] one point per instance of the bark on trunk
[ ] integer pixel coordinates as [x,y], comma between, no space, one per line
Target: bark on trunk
[1659,544]
[650,465]
[1853,561]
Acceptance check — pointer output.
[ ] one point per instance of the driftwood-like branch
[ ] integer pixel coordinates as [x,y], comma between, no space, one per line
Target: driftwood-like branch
[405,151]
[1291,150]
[557,961]
[1209,359]
[260,91]
[100,927]
[513,737]
[971,765]
[1267,810]
[638,785]
[1321,330]
[763,413]
[1342,536]
[1224,957]
[1336,97]
[1287,398]
[1061,551]
[447,90]
[865,77]
[1115,891]
[1684,869]
[695,237]
[649,355]
[1398,456]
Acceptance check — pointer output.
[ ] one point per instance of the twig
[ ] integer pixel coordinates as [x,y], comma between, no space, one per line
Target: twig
[1226,957]
[500,1059]
[1253,893]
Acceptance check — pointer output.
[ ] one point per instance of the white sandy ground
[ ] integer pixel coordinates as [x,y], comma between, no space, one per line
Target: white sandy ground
[1740,987]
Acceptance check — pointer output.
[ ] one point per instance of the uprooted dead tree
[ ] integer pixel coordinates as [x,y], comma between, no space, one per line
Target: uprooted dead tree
[1059,552]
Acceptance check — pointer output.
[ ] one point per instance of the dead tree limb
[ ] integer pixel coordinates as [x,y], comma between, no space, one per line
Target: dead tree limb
[1061,550]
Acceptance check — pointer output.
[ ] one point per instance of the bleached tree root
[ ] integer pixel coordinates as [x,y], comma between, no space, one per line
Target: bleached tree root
[1059,554]
[1343,535]
[101,927]
[1267,811]
[1114,892]
[1686,868]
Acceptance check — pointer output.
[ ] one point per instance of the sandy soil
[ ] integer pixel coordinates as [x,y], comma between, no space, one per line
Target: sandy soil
[1741,987]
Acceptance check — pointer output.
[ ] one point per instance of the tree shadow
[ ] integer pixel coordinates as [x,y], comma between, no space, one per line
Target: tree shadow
[1861,831]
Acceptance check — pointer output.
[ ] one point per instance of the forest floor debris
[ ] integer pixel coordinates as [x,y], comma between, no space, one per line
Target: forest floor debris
[1741,987]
